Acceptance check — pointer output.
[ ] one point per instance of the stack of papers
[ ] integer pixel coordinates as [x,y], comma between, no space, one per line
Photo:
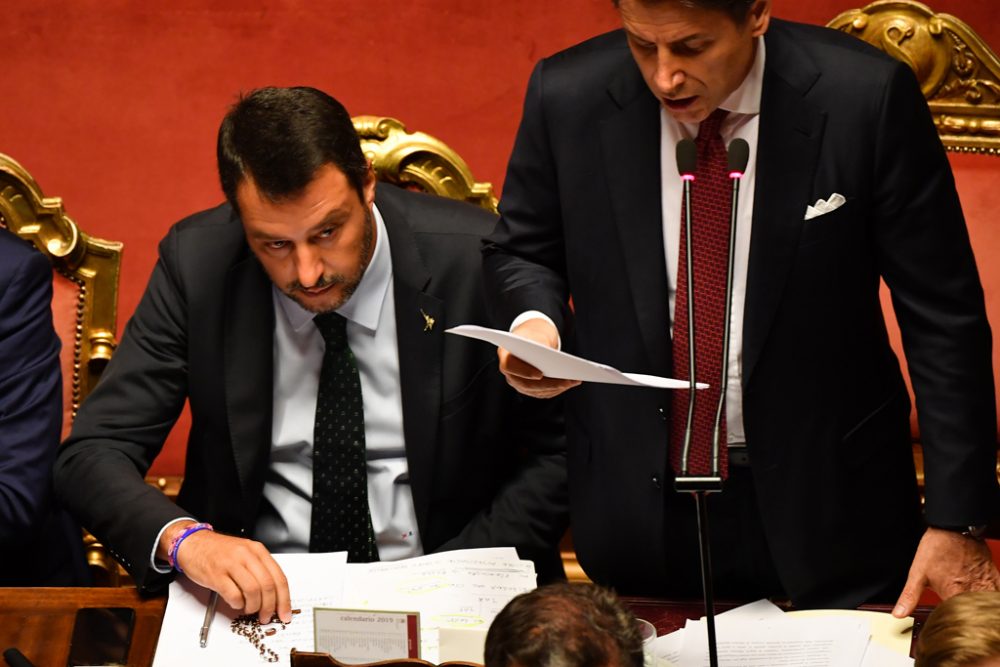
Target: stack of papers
[456,589]
[762,635]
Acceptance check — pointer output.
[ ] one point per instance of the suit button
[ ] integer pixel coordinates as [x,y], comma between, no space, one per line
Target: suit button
[663,413]
[656,482]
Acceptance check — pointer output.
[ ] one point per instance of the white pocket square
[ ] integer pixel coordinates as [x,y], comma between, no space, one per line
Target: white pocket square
[823,206]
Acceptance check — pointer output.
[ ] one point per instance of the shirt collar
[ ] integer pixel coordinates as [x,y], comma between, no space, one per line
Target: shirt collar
[365,305]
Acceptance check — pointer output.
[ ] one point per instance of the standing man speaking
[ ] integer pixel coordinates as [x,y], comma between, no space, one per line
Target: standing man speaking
[821,502]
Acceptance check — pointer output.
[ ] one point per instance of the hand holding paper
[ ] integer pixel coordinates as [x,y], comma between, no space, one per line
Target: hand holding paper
[560,365]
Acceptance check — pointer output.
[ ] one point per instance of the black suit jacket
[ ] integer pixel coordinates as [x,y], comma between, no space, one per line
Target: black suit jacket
[487,468]
[38,544]
[824,402]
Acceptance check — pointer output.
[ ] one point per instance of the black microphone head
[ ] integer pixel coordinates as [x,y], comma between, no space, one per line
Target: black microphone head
[687,157]
[739,156]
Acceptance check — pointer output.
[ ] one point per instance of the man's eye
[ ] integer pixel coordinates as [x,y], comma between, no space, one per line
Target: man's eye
[276,245]
[326,233]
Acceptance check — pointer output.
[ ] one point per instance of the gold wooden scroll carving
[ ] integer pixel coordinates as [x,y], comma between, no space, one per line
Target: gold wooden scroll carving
[416,160]
[91,263]
[958,73]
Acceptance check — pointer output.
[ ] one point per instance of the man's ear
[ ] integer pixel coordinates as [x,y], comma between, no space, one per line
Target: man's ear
[759,17]
[369,185]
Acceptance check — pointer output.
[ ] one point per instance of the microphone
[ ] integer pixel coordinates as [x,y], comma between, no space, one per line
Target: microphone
[687,161]
[738,155]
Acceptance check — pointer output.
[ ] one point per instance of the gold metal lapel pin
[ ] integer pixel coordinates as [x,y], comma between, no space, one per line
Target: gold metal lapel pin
[428,320]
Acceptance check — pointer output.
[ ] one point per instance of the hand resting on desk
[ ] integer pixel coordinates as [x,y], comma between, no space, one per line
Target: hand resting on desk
[241,571]
[948,563]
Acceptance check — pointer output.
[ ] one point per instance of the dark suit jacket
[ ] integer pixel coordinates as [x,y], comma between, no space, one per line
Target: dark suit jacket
[824,404]
[486,467]
[38,546]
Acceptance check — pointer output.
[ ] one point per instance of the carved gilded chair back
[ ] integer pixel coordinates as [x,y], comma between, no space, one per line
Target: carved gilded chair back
[959,75]
[418,161]
[84,300]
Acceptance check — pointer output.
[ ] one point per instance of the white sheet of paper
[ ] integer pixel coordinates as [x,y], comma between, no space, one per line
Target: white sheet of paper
[313,580]
[667,648]
[893,633]
[784,642]
[565,366]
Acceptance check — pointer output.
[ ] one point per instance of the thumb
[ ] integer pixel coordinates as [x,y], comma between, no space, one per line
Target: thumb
[916,582]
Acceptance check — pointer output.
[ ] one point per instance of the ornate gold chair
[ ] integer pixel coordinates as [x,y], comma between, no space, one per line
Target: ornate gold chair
[84,301]
[960,78]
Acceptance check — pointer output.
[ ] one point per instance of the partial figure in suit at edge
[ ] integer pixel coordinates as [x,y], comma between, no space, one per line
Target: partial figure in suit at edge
[39,546]
[821,505]
[304,321]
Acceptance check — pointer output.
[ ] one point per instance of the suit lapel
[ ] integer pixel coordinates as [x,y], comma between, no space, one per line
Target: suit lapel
[420,344]
[249,376]
[790,135]
[631,143]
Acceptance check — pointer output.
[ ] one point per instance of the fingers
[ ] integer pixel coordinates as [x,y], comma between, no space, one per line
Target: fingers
[524,377]
[916,582]
[242,571]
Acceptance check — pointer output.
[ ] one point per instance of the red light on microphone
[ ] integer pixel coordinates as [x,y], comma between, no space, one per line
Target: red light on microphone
[687,177]
[736,174]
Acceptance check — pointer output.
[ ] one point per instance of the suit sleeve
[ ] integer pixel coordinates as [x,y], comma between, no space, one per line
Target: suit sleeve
[530,510]
[30,397]
[926,259]
[524,257]
[123,424]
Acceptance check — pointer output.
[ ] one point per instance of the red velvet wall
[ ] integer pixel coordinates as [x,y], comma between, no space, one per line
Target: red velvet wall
[114,104]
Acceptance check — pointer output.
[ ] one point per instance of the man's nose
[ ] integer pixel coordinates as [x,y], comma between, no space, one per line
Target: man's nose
[308,265]
[668,77]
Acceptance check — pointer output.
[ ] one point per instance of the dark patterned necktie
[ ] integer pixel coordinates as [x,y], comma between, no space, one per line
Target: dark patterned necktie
[710,202]
[341,517]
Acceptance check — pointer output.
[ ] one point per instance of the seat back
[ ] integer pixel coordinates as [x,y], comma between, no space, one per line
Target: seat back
[418,161]
[85,281]
[960,78]
[84,300]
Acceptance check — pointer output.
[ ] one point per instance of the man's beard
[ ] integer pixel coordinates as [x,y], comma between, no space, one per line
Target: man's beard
[350,283]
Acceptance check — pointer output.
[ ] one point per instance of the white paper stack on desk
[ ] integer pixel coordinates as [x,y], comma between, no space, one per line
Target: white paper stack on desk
[760,634]
[456,589]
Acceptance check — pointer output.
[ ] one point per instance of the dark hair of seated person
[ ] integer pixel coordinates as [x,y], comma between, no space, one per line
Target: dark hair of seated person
[564,625]
[963,631]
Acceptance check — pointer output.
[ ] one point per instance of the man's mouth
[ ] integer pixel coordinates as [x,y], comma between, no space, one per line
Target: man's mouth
[316,291]
[679,103]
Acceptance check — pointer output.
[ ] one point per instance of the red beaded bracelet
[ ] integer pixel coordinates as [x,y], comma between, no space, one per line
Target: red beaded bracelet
[176,543]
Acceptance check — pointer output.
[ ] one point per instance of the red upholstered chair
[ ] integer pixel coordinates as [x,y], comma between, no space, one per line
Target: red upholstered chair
[960,77]
[84,302]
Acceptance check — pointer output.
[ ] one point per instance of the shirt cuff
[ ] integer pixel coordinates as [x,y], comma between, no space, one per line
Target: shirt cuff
[532,315]
[159,565]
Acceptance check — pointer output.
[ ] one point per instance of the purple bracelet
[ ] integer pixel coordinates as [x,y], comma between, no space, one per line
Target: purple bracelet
[176,543]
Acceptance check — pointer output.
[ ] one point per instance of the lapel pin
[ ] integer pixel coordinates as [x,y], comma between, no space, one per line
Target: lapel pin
[428,320]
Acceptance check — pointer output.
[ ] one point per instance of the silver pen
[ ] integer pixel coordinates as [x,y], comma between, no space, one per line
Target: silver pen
[213,600]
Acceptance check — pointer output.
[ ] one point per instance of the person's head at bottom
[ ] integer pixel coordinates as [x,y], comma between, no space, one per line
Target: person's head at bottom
[963,631]
[564,625]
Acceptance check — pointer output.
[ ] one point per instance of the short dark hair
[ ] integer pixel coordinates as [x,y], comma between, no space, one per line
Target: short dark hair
[738,10]
[564,625]
[280,137]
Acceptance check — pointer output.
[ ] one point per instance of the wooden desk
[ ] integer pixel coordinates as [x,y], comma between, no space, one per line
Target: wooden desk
[39,621]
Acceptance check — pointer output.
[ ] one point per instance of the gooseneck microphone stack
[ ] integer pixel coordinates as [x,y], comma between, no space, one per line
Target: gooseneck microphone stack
[699,486]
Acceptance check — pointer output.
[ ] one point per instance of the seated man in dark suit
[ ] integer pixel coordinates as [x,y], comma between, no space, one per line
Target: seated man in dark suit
[38,546]
[304,321]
